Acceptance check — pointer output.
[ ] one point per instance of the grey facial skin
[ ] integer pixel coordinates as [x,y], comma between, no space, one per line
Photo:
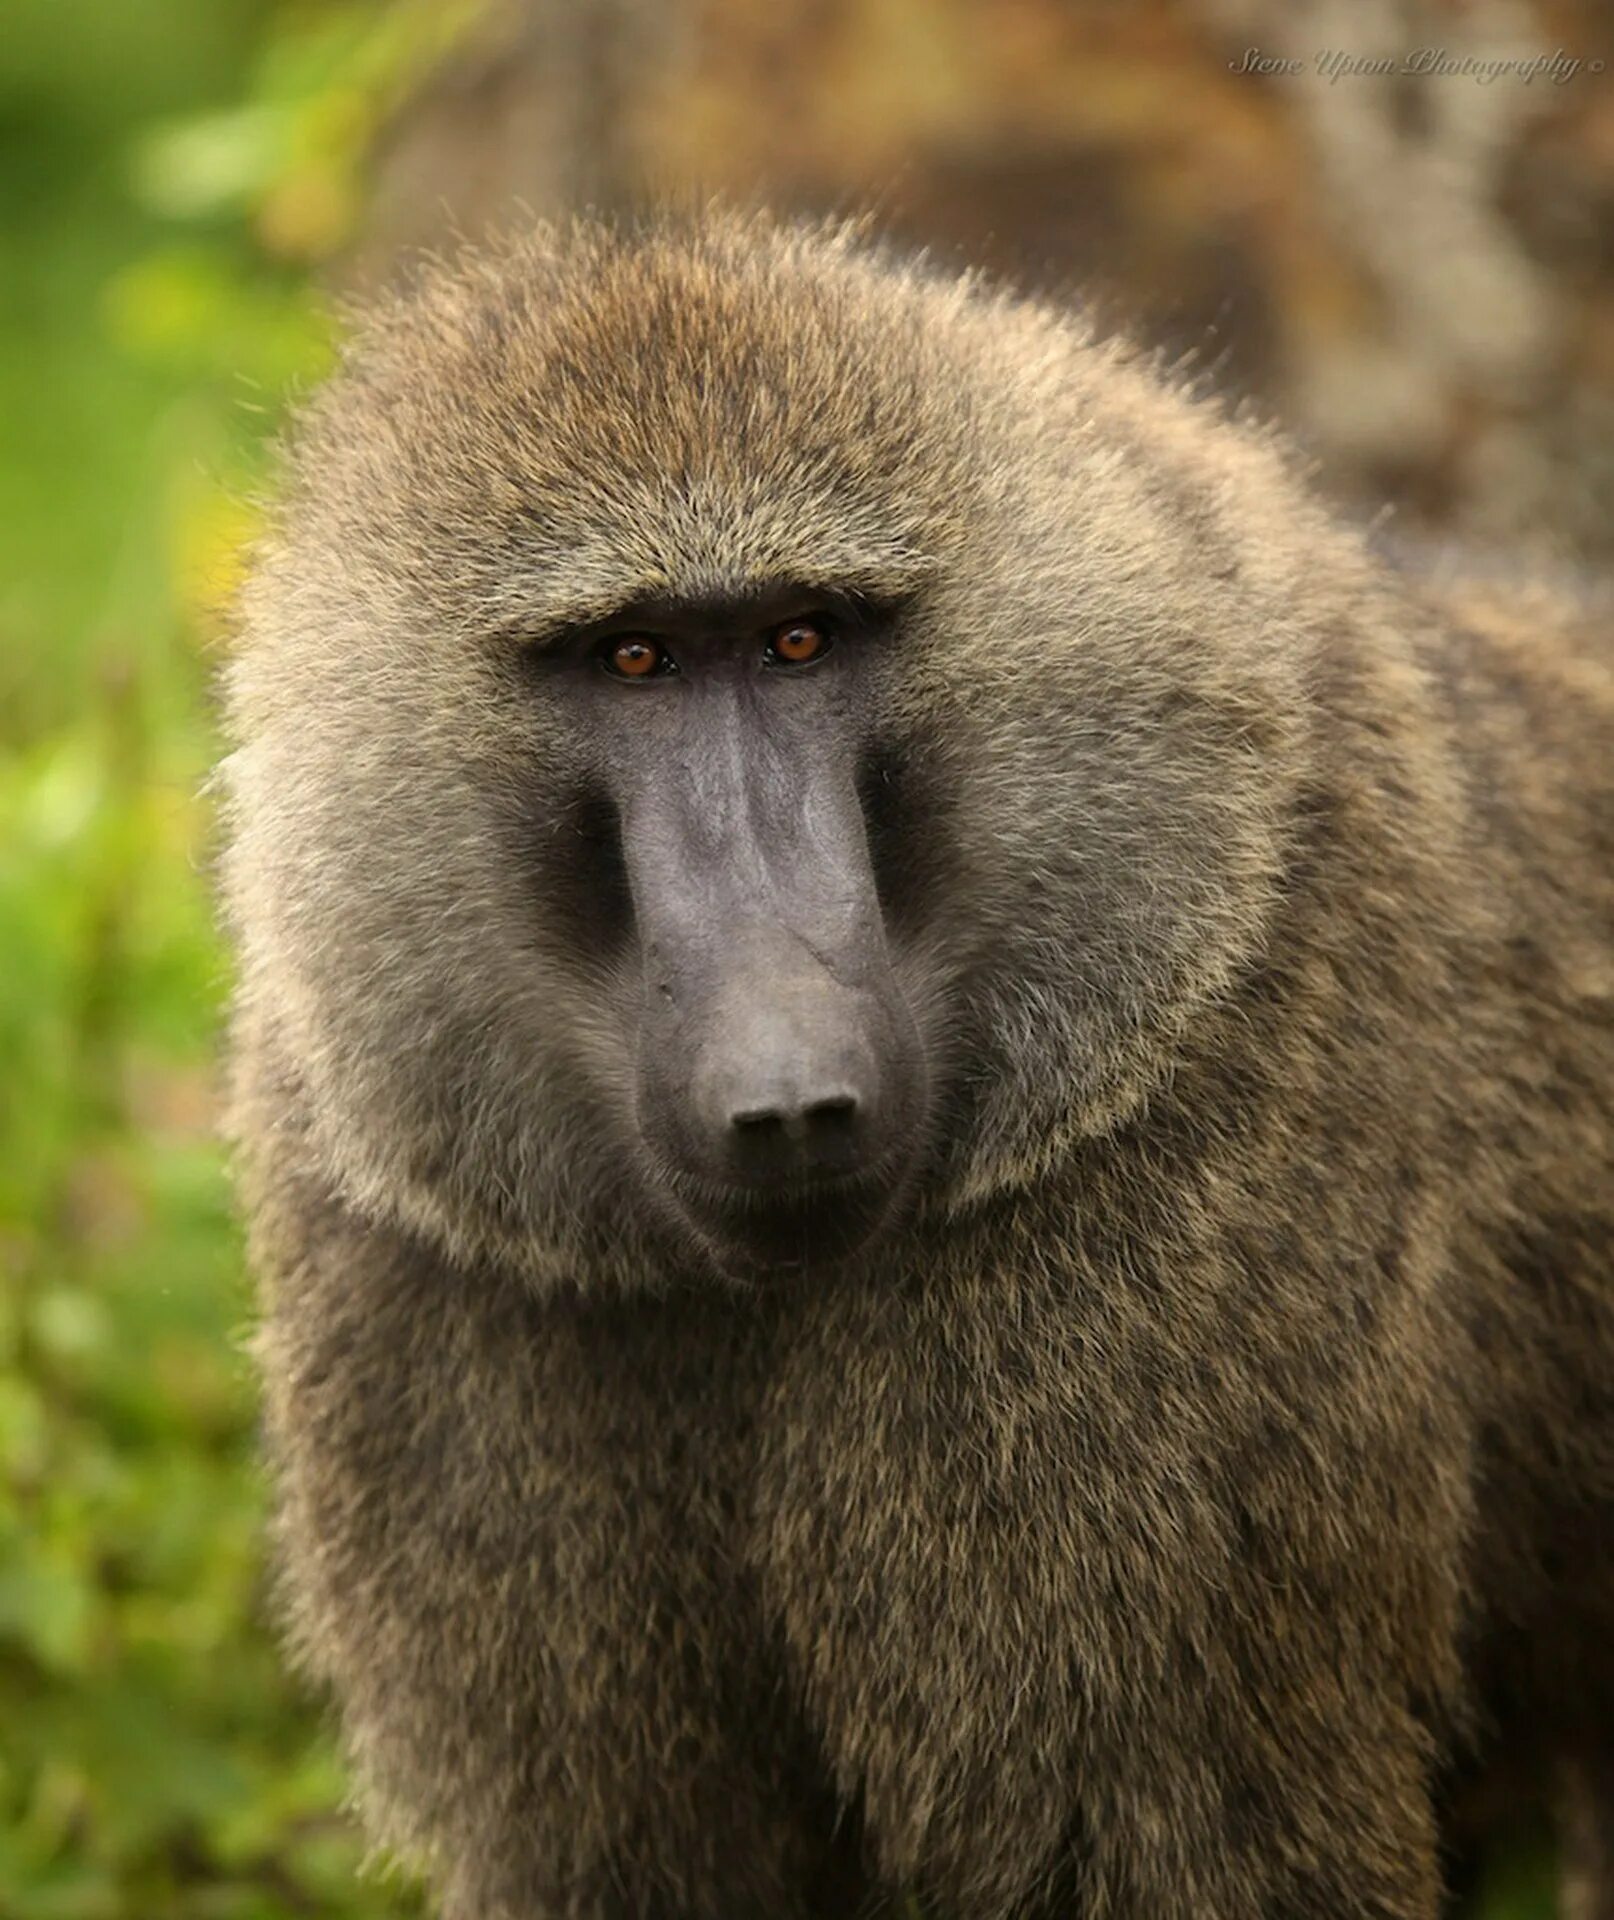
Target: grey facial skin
[780,1085]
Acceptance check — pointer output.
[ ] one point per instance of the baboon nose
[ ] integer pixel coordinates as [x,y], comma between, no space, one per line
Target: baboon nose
[787,1084]
[777,1105]
[816,1135]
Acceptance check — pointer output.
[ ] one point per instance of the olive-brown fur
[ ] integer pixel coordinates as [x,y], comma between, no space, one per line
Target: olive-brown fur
[1221,1442]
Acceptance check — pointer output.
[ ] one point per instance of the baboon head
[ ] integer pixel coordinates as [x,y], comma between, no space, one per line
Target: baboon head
[739,741]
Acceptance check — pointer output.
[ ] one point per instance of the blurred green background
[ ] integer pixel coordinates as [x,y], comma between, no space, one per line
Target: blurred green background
[170,176]
[181,183]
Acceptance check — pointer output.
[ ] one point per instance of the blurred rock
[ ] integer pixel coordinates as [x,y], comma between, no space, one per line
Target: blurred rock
[1389,222]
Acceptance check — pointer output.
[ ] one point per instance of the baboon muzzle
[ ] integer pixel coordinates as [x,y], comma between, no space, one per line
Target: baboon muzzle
[777,1056]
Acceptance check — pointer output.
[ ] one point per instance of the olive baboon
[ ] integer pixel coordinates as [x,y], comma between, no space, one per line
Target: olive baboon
[924,1082]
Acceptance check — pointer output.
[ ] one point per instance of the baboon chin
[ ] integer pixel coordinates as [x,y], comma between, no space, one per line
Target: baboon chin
[923,1077]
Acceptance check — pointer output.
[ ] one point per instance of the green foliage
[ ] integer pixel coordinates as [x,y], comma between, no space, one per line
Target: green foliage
[169,174]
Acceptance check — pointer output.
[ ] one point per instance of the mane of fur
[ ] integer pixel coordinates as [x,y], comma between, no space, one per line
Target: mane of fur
[1225,1439]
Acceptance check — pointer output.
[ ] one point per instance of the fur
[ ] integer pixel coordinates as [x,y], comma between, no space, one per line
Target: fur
[1222,1445]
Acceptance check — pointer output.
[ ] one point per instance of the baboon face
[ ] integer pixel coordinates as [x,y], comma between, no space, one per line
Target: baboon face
[779,1086]
[733,748]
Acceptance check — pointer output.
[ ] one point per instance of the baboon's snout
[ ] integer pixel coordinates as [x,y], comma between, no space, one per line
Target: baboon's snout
[780,1072]
[785,1080]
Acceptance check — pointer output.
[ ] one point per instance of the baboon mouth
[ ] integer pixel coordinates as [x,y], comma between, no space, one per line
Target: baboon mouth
[794,1229]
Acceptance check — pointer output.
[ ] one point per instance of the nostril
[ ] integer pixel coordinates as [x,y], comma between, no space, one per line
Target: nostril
[784,1133]
[830,1116]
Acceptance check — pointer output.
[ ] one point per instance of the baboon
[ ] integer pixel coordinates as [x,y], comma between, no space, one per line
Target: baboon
[923,1077]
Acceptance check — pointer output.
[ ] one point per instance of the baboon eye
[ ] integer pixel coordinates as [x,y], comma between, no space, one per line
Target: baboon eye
[797,642]
[635,656]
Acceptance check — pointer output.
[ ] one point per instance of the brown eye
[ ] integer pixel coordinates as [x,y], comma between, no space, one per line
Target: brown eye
[798,641]
[634,656]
